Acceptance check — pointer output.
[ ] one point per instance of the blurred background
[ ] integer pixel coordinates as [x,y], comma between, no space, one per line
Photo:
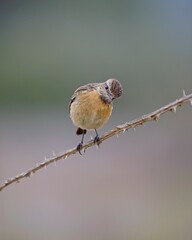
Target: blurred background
[135,187]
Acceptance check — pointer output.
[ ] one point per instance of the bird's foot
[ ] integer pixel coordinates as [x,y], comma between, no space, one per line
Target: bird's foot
[97,140]
[80,147]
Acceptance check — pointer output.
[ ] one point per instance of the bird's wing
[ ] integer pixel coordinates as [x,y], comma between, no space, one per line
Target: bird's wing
[86,88]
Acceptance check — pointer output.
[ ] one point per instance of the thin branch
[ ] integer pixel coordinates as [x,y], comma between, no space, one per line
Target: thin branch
[153,116]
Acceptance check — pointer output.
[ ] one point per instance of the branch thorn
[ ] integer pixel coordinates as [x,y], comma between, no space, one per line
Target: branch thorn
[173,109]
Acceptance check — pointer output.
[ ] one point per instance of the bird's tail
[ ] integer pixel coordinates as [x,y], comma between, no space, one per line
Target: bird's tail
[80,131]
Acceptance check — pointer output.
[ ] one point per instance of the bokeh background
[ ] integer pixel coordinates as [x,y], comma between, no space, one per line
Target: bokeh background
[138,186]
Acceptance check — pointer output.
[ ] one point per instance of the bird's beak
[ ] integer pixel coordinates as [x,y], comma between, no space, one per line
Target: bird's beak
[111,97]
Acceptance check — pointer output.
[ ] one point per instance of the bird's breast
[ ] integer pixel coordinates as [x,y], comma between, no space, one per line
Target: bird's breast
[89,111]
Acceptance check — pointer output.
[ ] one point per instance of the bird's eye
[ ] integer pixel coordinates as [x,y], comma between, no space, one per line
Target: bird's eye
[106,87]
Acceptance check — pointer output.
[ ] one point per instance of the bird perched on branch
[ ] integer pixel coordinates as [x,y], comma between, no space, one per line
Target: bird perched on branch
[91,106]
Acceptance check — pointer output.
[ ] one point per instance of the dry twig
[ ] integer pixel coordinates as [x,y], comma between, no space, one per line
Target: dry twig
[153,116]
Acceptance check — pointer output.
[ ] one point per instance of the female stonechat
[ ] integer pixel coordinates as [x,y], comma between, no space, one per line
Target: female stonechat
[91,106]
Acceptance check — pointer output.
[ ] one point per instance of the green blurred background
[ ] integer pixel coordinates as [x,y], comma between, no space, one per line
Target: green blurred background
[135,187]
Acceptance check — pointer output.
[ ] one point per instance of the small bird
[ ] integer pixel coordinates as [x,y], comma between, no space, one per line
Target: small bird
[91,106]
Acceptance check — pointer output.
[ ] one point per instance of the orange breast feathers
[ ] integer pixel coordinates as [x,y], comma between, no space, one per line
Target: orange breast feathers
[89,111]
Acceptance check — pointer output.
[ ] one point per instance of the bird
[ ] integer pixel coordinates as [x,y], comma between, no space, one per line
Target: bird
[91,106]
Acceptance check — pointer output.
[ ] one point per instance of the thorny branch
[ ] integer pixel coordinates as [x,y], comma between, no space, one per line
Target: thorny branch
[153,116]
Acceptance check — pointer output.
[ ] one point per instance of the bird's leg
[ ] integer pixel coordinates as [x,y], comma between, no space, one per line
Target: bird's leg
[79,146]
[97,139]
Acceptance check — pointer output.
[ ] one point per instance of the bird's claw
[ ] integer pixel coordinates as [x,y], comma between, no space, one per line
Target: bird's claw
[97,140]
[80,147]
